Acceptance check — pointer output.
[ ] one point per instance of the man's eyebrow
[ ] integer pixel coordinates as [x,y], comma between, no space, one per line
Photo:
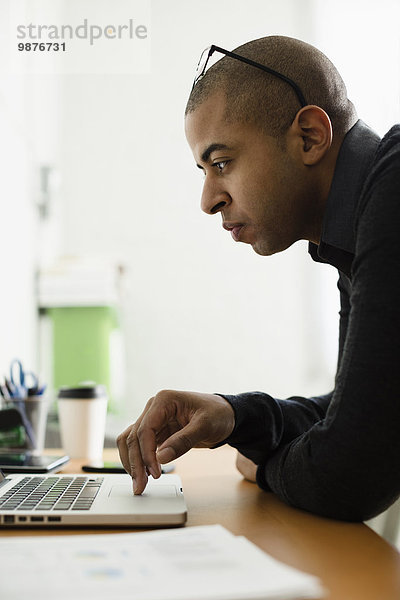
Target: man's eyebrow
[211,148]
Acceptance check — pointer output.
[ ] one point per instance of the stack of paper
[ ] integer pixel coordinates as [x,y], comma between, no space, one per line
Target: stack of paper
[195,563]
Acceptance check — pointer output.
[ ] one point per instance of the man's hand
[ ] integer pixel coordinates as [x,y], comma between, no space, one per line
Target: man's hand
[246,467]
[171,424]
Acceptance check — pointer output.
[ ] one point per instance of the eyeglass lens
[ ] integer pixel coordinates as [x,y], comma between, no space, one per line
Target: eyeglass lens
[202,64]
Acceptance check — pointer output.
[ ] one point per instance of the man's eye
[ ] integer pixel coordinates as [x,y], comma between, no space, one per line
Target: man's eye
[220,165]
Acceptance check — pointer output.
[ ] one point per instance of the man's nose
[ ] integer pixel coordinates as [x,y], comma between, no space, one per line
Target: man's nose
[213,199]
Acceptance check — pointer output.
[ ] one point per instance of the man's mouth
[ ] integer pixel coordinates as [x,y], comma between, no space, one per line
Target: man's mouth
[235,229]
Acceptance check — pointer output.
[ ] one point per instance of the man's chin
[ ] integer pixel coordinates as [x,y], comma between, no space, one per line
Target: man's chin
[262,249]
[271,245]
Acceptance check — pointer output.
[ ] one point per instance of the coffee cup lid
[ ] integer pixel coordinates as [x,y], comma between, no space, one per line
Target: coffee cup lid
[82,391]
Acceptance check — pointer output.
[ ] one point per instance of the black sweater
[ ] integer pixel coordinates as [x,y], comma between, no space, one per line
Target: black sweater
[338,455]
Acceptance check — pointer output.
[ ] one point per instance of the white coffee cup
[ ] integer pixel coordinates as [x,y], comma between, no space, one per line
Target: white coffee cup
[82,415]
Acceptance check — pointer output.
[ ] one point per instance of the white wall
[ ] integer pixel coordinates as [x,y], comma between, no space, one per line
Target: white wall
[17,237]
[28,126]
[362,38]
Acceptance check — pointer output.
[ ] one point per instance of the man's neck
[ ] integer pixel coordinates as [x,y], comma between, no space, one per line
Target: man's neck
[323,186]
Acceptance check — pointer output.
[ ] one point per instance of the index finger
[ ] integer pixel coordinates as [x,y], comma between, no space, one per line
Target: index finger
[152,424]
[131,459]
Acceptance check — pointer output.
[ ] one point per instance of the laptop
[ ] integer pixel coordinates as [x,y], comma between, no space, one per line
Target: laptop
[89,500]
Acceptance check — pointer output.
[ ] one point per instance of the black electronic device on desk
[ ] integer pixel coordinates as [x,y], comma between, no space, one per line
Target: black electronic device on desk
[26,462]
[116,467]
[16,455]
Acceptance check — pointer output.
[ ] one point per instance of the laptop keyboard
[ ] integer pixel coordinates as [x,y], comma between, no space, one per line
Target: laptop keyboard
[52,493]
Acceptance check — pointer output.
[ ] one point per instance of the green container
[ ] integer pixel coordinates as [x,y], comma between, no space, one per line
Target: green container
[81,345]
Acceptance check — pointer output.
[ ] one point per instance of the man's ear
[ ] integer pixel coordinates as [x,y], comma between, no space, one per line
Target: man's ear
[313,130]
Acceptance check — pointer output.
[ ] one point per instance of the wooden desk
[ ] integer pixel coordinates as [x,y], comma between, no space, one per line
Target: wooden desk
[352,561]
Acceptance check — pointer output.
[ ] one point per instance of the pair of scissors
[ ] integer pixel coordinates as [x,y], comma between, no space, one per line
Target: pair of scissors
[22,382]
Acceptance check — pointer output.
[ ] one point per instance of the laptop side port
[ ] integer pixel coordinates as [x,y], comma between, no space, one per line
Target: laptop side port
[37,519]
[8,519]
[54,519]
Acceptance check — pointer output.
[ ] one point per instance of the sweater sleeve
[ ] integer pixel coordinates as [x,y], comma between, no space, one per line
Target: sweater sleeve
[264,423]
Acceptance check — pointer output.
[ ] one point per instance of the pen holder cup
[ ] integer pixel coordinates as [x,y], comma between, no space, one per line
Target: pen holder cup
[33,411]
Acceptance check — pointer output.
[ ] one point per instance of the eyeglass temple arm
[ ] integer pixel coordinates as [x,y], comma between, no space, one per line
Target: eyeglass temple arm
[248,61]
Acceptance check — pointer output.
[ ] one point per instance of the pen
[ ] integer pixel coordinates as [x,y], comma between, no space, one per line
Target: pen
[12,390]
[4,392]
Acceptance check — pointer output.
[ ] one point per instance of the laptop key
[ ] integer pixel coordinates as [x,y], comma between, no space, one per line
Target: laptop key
[89,492]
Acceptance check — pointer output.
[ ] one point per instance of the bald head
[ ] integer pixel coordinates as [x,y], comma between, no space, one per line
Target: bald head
[256,97]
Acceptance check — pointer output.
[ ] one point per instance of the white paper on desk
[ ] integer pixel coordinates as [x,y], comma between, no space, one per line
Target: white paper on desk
[195,563]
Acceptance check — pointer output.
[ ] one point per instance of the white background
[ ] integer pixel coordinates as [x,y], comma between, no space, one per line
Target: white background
[200,312]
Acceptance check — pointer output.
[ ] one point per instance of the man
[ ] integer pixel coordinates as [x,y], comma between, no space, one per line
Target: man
[285,158]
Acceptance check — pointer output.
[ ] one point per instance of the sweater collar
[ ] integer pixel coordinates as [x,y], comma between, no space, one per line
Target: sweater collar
[337,243]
